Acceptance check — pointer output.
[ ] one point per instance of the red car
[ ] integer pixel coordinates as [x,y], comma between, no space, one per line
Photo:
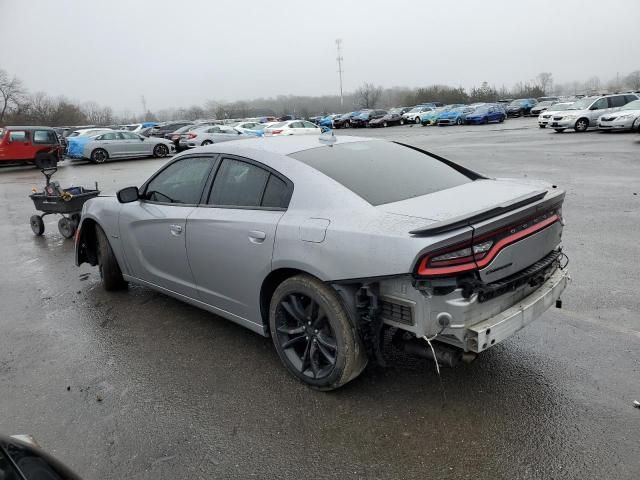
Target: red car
[32,145]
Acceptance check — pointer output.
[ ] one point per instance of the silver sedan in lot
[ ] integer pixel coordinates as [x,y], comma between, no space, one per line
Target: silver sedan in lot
[123,144]
[323,244]
[207,134]
[622,120]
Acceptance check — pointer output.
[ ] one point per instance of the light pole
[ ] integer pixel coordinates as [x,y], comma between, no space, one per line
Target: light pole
[340,59]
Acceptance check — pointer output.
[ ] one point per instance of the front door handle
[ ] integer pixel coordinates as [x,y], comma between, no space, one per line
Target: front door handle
[175,229]
[256,236]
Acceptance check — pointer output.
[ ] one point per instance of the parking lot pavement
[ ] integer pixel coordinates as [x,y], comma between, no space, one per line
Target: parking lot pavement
[137,385]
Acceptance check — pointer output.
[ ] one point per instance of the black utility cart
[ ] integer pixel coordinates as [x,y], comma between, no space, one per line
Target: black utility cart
[66,202]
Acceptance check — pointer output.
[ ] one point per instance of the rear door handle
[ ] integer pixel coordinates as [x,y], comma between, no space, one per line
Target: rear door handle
[256,236]
[175,229]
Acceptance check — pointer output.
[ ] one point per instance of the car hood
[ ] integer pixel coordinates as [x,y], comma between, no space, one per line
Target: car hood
[465,199]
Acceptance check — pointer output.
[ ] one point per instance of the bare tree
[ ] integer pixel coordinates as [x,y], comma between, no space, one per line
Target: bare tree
[368,95]
[545,82]
[633,80]
[11,92]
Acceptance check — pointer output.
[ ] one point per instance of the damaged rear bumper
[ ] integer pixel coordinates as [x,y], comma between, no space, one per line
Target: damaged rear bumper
[491,331]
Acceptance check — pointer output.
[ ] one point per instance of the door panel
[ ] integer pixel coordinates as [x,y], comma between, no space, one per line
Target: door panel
[230,252]
[153,238]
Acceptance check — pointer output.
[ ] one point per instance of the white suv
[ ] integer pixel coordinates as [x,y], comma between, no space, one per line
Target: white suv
[584,114]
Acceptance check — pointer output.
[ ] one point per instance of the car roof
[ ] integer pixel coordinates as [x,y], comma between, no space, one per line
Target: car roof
[278,145]
[26,127]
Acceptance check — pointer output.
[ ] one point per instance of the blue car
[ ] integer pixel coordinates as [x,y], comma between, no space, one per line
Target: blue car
[454,116]
[485,114]
[326,121]
[521,107]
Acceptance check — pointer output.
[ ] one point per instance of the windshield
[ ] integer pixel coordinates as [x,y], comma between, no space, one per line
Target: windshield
[546,103]
[415,110]
[517,103]
[559,107]
[482,110]
[582,103]
[635,105]
[364,168]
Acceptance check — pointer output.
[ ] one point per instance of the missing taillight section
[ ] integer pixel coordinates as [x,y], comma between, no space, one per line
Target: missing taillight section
[479,252]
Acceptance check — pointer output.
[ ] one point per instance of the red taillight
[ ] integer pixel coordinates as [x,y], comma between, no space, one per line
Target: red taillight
[276,132]
[466,257]
[192,135]
[175,137]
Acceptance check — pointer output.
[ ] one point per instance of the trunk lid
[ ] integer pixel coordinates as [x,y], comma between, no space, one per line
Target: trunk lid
[518,209]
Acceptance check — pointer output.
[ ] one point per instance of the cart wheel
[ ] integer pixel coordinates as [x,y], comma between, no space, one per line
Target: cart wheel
[67,227]
[37,225]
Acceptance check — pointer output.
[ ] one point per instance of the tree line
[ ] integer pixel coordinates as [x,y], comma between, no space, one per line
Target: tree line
[19,106]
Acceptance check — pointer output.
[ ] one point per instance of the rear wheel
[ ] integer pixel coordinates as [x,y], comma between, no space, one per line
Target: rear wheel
[581,125]
[206,142]
[37,225]
[109,270]
[45,161]
[160,150]
[99,156]
[313,335]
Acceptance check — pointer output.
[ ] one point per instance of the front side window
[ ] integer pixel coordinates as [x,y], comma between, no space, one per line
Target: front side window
[47,137]
[181,182]
[600,104]
[309,125]
[18,136]
[365,169]
[238,184]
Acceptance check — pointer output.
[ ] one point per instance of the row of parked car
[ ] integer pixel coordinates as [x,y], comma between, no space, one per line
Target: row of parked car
[617,112]
[435,113]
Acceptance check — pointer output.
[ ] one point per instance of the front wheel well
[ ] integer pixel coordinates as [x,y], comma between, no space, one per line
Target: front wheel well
[88,242]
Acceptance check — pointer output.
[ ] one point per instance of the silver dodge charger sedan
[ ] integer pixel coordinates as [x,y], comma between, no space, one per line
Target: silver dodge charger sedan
[326,244]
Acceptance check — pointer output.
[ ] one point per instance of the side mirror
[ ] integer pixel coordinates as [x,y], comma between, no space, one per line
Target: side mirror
[142,139]
[128,195]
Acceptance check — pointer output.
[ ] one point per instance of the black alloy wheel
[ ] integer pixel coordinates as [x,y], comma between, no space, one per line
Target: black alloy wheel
[160,151]
[314,334]
[99,156]
[306,336]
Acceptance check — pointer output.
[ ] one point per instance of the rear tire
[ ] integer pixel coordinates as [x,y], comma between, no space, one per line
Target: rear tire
[315,338]
[109,270]
[160,151]
[206,142]
[99,155]
[37,225]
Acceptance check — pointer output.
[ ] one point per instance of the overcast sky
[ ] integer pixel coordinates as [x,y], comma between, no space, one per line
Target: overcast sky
[184,52]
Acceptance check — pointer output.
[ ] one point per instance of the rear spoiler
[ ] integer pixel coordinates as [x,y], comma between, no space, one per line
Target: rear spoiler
[479,216]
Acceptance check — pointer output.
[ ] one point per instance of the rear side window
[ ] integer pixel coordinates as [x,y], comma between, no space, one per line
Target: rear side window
[45,136]
[276,195]
[382,172]
[617,101]
[238,184]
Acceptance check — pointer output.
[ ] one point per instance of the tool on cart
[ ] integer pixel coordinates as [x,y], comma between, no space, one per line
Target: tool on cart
[54,199]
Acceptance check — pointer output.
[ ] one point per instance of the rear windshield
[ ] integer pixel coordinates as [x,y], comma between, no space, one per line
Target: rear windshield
[382,172]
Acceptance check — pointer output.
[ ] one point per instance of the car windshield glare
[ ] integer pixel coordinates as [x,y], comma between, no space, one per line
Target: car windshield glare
[382,172]
[582,104]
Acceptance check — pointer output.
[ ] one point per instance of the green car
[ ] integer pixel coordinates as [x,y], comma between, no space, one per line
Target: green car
[431,118]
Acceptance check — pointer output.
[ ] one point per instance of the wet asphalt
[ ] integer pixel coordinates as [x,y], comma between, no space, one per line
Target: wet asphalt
[137,385]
